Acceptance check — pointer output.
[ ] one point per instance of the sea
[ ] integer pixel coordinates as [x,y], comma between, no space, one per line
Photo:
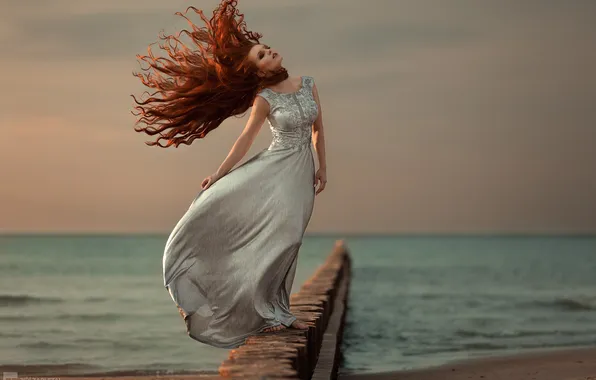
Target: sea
[96,303]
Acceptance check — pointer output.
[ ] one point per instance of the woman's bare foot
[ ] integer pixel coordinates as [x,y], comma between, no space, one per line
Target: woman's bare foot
[299,325]
[274,328]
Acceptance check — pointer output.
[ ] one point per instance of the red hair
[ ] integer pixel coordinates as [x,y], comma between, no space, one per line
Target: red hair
[205,86]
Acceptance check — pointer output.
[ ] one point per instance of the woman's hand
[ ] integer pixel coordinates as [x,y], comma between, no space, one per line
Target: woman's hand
[321,178]
[210,180]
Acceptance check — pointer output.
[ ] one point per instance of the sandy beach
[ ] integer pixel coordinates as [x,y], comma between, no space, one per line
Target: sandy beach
[569,364]
[572,364]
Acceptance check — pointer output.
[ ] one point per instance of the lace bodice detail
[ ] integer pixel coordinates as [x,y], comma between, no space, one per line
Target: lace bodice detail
[291,115]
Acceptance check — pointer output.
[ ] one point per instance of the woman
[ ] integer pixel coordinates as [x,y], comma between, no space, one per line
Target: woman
[230,261]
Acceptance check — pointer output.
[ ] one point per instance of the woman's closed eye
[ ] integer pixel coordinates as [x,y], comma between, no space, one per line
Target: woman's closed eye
[261,54]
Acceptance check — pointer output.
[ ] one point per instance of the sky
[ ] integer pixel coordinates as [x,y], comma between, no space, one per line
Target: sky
[454,116]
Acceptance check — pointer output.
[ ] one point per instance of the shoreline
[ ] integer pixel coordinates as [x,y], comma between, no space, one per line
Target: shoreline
[548,364]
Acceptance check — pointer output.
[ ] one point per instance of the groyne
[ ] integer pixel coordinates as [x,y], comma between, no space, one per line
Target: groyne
[321,302]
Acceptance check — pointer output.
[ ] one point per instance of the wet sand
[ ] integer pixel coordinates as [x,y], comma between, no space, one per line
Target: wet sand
[572,364]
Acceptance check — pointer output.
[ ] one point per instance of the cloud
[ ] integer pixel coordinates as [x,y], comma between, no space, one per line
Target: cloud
[67,30]
[84,36]
[440,116]
[88,30]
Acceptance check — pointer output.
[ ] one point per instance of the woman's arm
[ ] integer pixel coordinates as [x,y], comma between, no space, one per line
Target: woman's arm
[258,114]
[318,137]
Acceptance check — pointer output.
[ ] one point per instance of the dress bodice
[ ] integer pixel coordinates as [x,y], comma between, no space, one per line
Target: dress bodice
[291,115]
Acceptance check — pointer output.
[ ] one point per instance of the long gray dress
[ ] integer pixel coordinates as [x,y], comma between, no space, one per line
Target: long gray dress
[230,261]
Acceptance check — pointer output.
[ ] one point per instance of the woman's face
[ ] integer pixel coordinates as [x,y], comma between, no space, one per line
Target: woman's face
[265,59]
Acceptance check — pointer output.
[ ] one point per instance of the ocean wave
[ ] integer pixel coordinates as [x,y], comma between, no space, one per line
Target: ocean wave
[571,304]
[132,344]
[42,344]
[499,334]
[7,300]
[95,299]
[91,317]
[45,345]
[486,346]
[107,343]
[75,317]
[483,346]
[18,318]
[505,334]
[473,346]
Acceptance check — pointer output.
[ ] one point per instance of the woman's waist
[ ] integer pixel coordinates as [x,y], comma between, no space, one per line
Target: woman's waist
[289,143]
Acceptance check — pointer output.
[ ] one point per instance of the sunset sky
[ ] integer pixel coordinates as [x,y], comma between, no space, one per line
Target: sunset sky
[454,116]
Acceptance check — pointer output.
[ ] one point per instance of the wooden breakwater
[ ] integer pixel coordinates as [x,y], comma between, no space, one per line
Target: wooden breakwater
[301,354]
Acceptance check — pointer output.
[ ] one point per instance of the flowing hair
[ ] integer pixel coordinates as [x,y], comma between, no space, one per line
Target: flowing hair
[203,87]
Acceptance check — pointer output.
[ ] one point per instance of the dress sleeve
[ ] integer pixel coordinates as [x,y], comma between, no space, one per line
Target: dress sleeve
[267,96]
[309,82]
